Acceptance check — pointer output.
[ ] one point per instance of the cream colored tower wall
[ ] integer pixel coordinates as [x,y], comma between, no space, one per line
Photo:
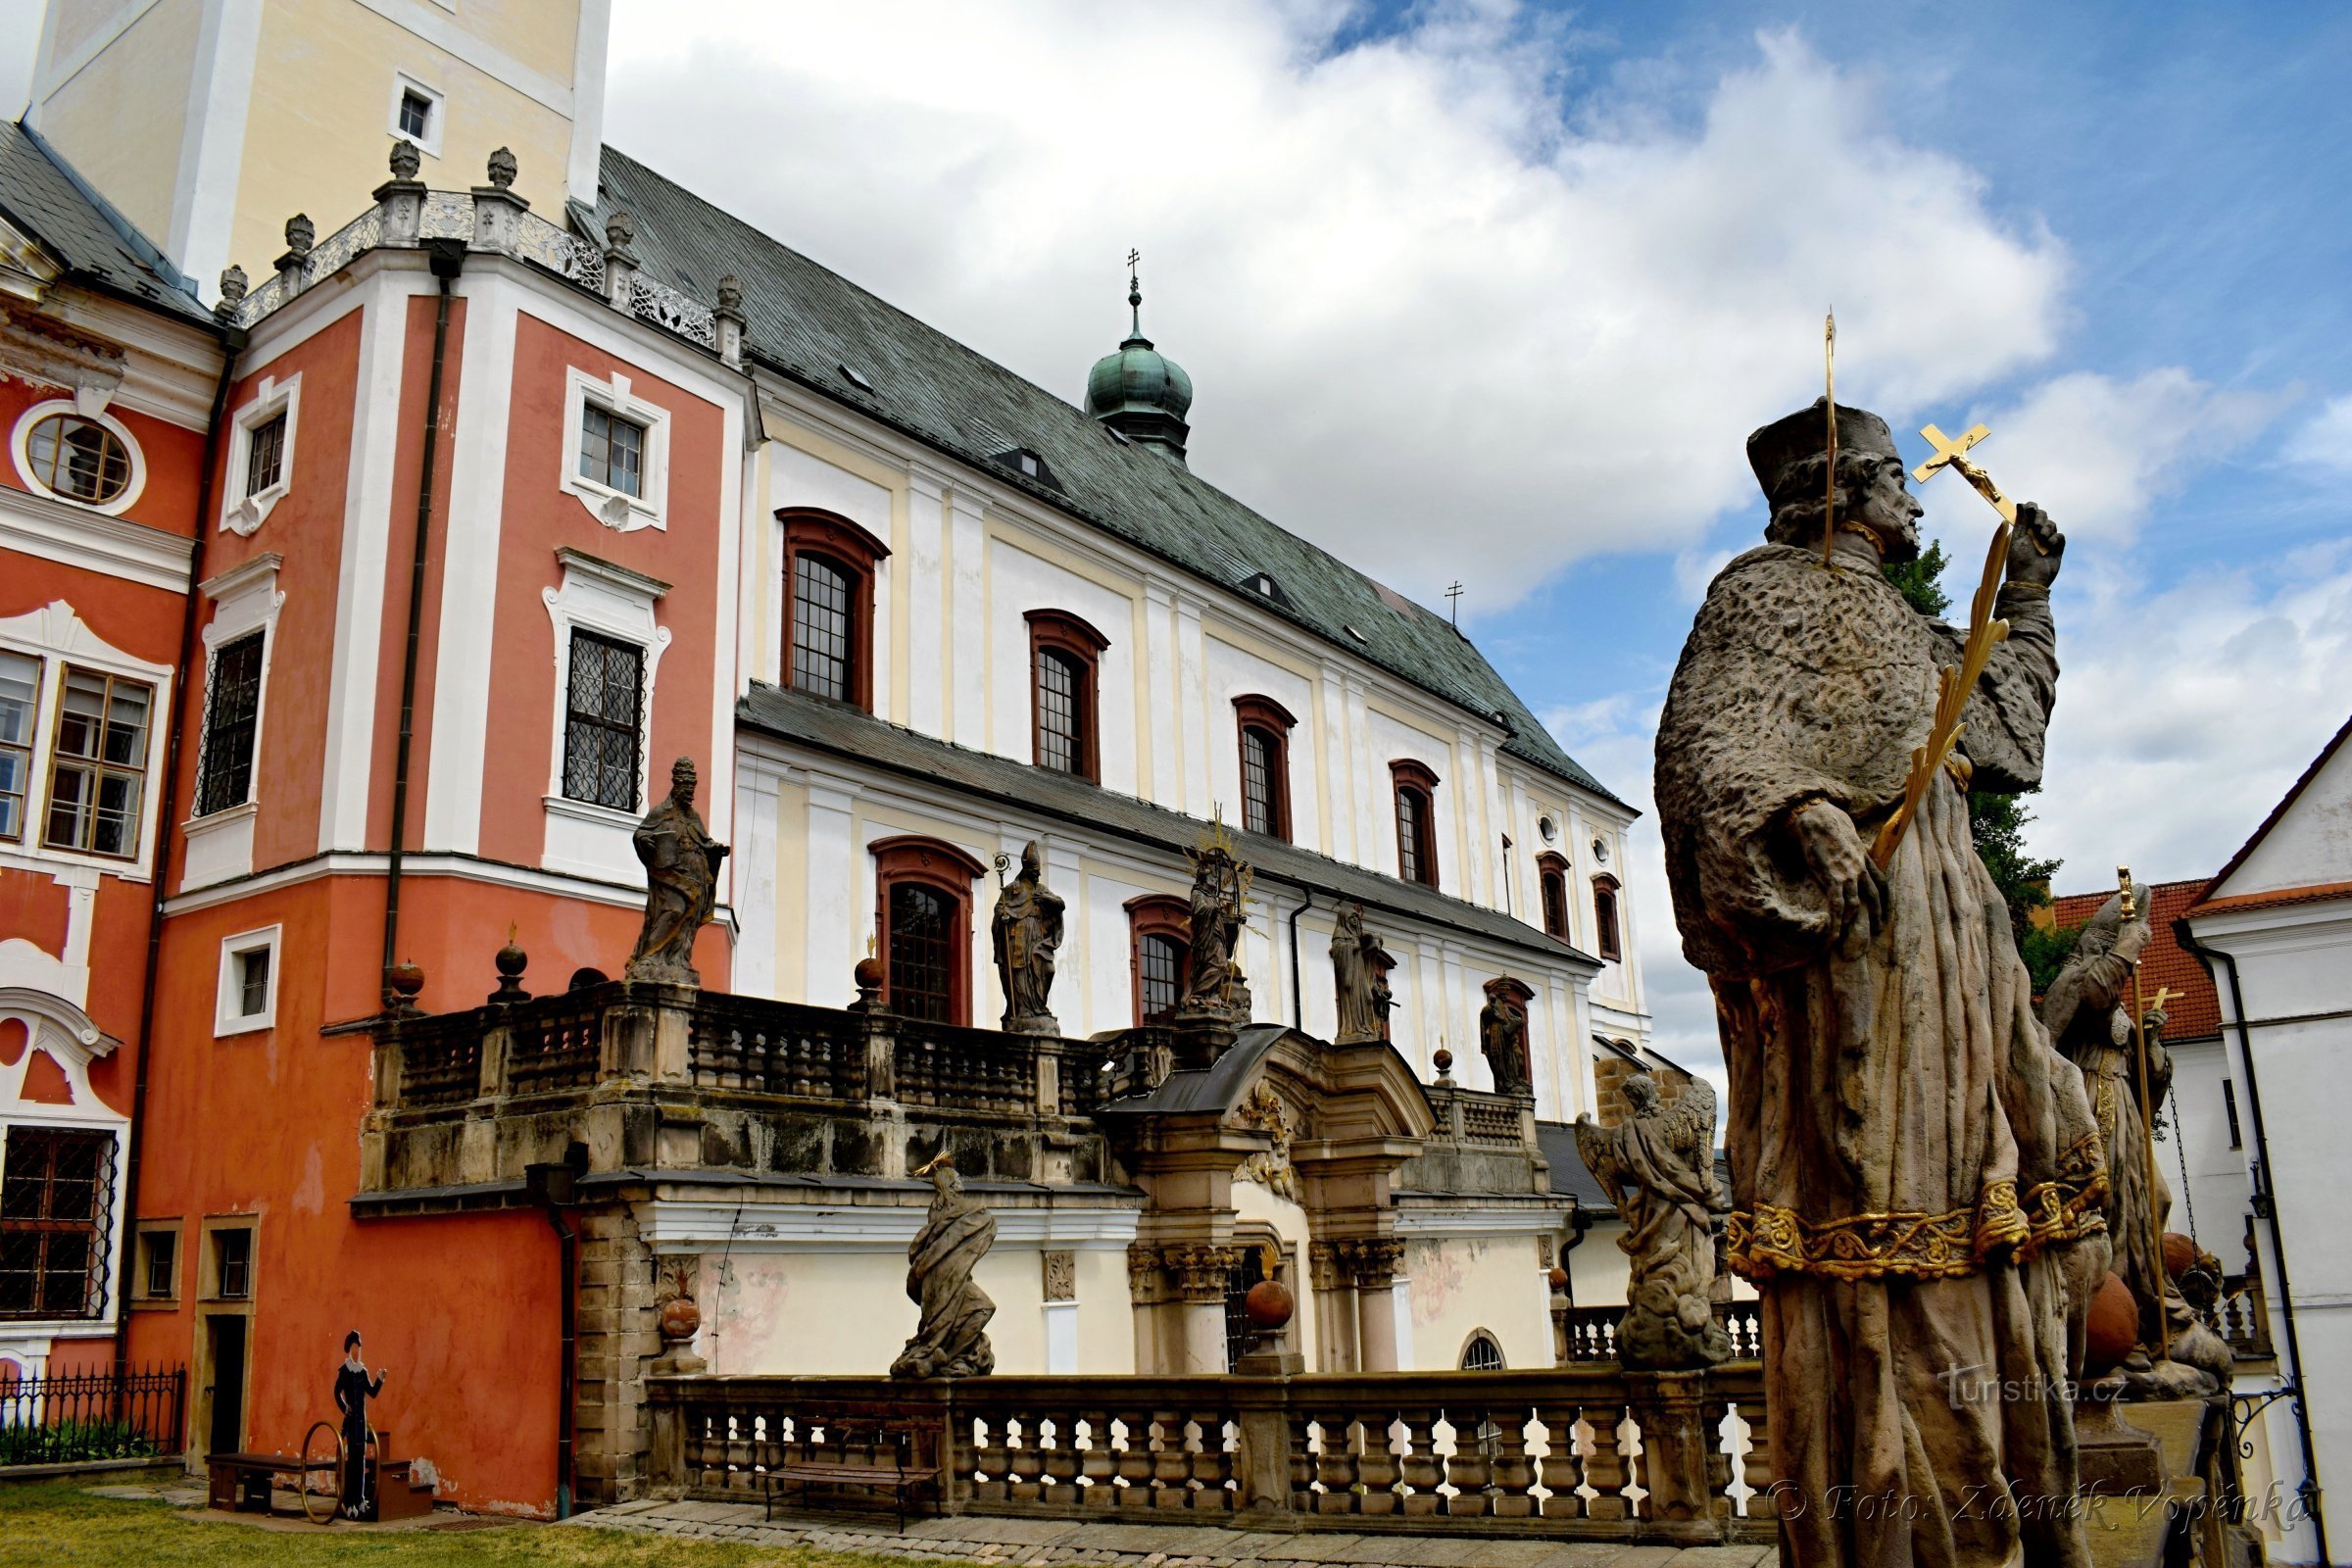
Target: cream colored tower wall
[122,116]
[326,86]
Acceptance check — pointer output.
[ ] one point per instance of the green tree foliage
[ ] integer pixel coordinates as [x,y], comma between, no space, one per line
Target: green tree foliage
[1997,823]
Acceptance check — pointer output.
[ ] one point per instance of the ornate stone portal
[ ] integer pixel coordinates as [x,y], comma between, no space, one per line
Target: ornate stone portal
[1359,969]
[1908,1167]
[949,1338]
[1658,1167]
[681,875]
[1502,1036]
[1027,930]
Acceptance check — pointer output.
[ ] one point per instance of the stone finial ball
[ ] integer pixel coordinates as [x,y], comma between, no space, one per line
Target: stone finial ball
[1443,1060]
[680,1317]
[868,973]
[405,978]
[1559,1278]
[1269,1305]
[511,959]
[2180,1255]
[2111,1330]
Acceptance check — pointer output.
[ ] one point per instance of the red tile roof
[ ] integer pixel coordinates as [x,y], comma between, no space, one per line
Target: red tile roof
[2310,893]
[2196,1011]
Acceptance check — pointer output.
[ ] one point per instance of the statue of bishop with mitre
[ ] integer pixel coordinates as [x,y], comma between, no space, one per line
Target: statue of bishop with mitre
[1911,1162]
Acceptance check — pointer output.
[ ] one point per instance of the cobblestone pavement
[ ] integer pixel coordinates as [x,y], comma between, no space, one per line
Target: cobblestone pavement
[1042,1542]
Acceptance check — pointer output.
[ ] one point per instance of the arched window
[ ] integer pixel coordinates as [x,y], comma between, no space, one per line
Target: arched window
[1063,652]
[1481,1353]
[1160,929]
[923,922]
[1416,791]
[1604,917]
[1265,734]
[1552,870]
[829,586]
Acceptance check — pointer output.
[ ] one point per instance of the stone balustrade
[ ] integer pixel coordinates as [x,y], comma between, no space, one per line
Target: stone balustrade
[1589,1334]
[665,1078]
[1585,1453]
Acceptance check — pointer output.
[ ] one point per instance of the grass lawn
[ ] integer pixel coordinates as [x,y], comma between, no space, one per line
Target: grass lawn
[55,1526]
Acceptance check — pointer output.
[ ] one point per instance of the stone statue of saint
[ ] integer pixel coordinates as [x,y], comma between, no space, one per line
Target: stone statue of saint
[2088,1011]
[949,1338]
[682,883]
[1658,1167]
[1213,984]
[1911,1162]
[1028,933]
[1502,1037]
[1359,970]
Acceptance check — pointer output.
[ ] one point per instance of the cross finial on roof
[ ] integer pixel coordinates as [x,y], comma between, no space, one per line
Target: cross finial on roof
[1135,291]
[1453,602]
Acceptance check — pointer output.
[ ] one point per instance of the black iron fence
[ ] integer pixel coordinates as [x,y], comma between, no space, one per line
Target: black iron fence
[77,1417]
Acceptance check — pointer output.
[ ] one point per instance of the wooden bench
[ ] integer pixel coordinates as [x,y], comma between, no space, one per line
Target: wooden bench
[876,1449]
[244,1483]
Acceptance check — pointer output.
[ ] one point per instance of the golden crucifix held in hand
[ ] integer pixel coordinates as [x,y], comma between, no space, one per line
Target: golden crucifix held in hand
[1984,633]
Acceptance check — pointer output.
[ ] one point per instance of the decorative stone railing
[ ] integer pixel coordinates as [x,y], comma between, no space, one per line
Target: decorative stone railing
[490,218]
[2244,1317]
[1581,1452]
[665,1077]
[1591,1332]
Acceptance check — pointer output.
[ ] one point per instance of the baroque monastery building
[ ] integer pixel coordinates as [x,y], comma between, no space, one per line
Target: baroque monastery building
[351,617]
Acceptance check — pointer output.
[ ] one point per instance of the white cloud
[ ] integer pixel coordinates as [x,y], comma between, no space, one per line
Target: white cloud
[2325,438]
[1413,284]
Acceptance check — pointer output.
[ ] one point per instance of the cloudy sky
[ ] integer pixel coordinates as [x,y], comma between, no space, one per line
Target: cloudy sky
[1493,291]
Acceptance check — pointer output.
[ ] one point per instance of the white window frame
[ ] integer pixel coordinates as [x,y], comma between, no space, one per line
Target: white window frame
[614,602]
[614,509]
[435,115]
[20,448]
[57,637]
[67,1036]
[242,511]
[245,598]
[225,1020]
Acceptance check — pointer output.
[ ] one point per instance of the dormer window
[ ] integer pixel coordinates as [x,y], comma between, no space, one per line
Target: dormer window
[854,378]
[1025,461]
[1265,587]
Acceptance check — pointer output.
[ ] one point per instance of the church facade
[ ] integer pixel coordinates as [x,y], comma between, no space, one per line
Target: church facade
[400,571]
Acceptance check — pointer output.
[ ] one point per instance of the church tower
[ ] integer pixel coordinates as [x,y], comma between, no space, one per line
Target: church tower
[210,123]
[1139,391]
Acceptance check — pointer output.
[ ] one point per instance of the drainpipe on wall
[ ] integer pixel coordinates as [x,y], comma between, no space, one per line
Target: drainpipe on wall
[1307,899]
[448,258]
[232,343]
[553,1186]
[2267,1205]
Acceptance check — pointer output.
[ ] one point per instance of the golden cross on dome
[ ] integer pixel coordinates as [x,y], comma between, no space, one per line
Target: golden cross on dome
[1953,454]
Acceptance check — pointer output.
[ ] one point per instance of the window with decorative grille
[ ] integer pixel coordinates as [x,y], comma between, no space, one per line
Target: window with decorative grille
[612,449]
[265,454]
[19,698]
[70,455]
[922,928]
[56,1199]
[1481,1353]
[232,708]
[821,619]
[602,723]
[1061,714]
[98,767]
[1238,1280]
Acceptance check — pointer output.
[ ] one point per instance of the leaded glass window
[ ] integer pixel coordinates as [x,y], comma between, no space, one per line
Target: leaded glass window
[603,714]
[232,708]
[612,449]
[922,933]
[1061,715]
[821,627]
[56,1195]
[98,764]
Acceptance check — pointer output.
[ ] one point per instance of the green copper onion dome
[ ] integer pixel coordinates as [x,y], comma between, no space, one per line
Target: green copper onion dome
[1139,391]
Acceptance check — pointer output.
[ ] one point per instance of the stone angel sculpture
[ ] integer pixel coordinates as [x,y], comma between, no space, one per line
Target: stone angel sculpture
[1658,1167]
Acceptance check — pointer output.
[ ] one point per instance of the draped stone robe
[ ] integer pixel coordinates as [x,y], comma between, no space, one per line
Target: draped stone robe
[1910,1160]
[949,1338]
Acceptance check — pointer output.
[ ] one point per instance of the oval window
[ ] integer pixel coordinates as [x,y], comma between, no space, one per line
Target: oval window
[70,455]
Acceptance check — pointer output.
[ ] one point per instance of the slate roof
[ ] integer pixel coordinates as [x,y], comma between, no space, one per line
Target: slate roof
[2196,1013]
[42,195]
[851,732]
[808,323]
